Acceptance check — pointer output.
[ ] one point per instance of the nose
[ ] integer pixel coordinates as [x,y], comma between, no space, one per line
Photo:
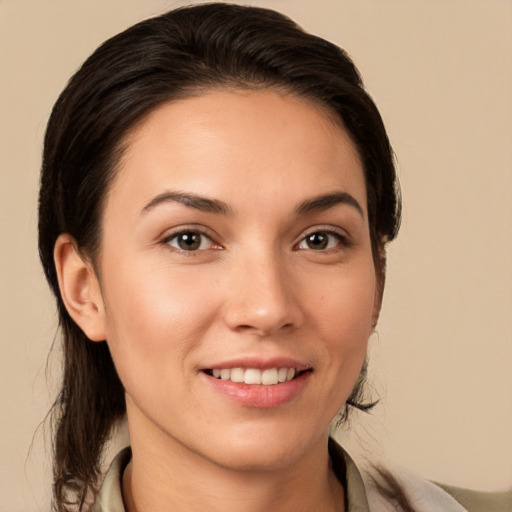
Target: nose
[263,298]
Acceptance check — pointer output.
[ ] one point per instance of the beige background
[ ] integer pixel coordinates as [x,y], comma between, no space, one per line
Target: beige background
[441,73]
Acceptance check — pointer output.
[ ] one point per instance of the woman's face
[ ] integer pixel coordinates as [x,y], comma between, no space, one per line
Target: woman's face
[236,243]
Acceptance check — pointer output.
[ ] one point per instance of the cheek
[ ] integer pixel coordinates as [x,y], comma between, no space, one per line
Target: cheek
[155,317]
[345,305]
[344,315]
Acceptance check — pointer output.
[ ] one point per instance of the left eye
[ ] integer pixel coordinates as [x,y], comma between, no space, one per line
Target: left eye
[190,241]
[320,241]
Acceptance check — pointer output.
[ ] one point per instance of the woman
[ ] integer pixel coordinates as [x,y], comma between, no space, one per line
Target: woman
[217,194]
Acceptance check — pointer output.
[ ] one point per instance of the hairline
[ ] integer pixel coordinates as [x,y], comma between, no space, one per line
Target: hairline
[120,149]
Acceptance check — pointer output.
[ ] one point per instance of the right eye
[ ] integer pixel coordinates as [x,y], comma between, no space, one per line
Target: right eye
[190,241]
[322,240]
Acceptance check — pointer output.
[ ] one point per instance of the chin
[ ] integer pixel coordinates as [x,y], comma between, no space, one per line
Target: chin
[258,459]
[263,449]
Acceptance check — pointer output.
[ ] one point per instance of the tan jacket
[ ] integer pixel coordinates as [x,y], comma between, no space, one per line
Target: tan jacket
[361,494]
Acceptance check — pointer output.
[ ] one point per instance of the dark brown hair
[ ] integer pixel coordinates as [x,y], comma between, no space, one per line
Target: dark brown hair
[168,57]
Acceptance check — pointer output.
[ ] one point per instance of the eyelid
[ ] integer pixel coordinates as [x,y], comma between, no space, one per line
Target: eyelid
[339,233]
[190,228]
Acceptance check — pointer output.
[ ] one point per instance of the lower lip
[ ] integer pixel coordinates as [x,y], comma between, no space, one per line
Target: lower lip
[260,396]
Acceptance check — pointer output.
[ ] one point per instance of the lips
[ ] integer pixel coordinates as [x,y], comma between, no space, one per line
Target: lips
[256,383]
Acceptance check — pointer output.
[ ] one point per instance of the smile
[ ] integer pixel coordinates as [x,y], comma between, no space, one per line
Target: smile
[255,376]
[258,384]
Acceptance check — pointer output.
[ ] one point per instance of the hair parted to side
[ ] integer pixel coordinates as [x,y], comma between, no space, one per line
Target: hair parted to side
[172,56]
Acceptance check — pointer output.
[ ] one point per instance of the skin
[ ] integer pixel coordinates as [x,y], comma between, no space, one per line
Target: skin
[254,288]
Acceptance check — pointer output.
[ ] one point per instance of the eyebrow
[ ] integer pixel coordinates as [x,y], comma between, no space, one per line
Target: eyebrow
[325,201]
[203,204]
[315,204]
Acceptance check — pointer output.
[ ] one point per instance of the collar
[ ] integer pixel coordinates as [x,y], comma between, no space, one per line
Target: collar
[110,499]
[360,490]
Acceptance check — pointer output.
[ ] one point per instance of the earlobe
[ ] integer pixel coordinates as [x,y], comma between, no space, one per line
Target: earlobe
[375,317]
[377,302]
[79,288]
[376,308]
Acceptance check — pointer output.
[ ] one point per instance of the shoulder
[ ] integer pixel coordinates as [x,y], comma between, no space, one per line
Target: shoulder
[480,501]
[424,496]
[392,488]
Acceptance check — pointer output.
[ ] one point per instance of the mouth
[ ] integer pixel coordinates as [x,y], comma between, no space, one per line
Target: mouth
[256,376]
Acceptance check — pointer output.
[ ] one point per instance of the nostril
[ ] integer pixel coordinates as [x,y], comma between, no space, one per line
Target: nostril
[264,330]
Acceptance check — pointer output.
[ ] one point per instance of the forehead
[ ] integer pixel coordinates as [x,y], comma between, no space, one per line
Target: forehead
[236,142]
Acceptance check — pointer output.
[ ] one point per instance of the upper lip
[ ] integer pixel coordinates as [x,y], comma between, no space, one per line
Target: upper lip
[259,363]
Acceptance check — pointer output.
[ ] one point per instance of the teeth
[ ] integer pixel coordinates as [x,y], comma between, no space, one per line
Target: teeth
[268,377]
[252,376]
[237,375]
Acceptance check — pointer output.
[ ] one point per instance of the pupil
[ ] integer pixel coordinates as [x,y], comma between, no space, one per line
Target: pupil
[317,241]
[189,241]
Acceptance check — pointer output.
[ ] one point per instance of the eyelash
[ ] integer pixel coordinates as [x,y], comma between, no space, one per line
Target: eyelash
[191,231]
[342,241]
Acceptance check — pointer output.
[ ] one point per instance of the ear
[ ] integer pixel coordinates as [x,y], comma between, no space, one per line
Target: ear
[79,288]
[376,309]
[377,301]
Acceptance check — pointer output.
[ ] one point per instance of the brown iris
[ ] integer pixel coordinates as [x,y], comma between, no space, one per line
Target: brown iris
[189,241]
[317,241]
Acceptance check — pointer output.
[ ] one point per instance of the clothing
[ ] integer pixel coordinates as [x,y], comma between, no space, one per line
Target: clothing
[361,493]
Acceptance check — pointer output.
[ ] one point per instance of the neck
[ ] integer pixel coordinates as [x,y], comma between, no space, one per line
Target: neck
[163,477]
